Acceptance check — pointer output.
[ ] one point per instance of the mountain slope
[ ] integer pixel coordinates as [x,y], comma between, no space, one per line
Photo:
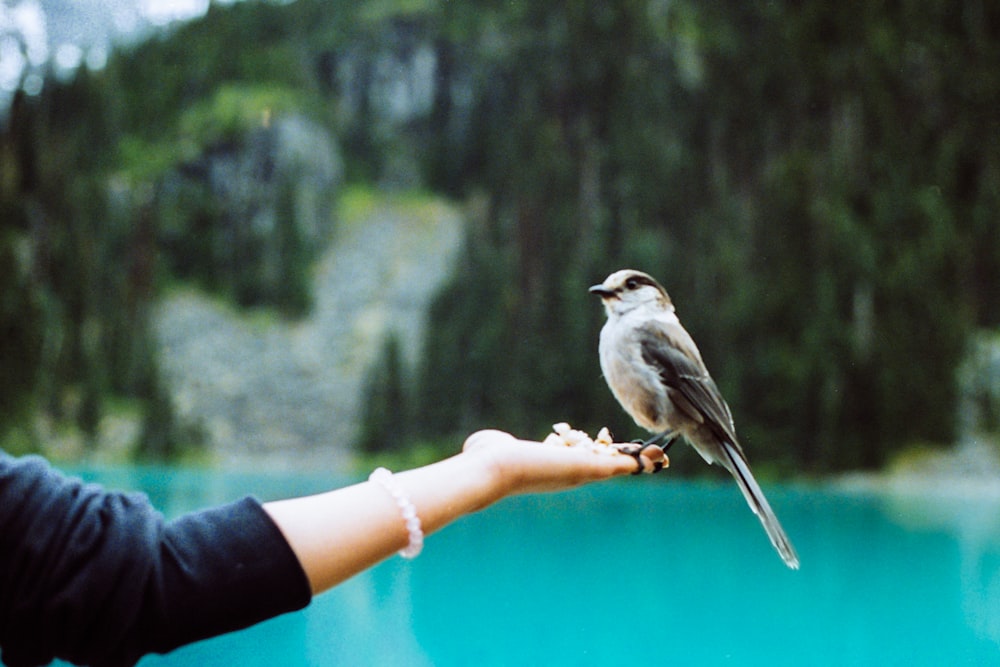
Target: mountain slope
[288,394]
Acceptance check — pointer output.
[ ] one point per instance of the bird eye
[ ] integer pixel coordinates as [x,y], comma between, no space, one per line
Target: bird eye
[631,283]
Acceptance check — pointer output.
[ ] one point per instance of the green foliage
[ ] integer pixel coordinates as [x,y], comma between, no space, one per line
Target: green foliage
[251,42]
[79,172]
[18,440]
[225,116]
[22,329]
[233,110]
[378,11]
[386,424]
[815,183]
[809,182]
[74,305]
[416,453]
[356,203]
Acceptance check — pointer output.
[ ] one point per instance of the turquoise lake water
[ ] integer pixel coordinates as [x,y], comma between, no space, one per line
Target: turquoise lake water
[653,571]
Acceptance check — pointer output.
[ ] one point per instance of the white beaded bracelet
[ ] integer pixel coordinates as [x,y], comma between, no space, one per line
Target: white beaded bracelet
[383,477]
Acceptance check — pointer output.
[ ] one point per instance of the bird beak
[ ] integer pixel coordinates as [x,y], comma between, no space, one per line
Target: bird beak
[600,291]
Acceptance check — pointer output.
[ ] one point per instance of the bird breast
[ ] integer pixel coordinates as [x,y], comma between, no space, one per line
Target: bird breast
[636,385]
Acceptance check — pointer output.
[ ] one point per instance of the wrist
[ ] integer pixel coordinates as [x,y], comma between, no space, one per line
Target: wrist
[485,467]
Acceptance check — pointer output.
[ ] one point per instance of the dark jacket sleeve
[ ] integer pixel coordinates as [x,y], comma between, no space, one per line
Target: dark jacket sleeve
[99,578]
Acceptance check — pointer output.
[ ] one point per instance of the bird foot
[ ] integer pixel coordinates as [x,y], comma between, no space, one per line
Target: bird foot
[665,439]
[649,458]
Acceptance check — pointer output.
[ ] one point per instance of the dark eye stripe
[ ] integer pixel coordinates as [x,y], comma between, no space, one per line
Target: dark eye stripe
[635,282]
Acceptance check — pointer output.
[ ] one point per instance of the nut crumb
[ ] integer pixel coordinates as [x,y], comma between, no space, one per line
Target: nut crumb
[652,457]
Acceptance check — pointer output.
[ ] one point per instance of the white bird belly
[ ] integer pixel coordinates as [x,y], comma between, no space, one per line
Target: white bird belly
[637,386]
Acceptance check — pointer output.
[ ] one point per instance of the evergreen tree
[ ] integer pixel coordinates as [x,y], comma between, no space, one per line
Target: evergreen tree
[386,423]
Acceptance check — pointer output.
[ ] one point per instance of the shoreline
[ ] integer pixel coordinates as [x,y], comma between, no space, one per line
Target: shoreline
[969,470]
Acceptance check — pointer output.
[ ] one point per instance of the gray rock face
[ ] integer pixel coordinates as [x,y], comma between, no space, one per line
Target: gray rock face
[287,394]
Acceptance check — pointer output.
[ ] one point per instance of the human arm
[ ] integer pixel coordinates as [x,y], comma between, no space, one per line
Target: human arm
[340,533]
[99,577]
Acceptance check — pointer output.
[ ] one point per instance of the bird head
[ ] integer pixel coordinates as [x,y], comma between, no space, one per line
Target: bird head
[628,289]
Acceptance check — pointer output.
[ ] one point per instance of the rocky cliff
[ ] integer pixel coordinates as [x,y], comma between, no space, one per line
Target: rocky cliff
[287,394]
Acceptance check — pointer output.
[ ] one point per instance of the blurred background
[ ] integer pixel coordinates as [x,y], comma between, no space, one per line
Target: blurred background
[300,232]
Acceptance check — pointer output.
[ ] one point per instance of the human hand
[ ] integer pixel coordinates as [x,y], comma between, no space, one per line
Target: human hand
[525,466]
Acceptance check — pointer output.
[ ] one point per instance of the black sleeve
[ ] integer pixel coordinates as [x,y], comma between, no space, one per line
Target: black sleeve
[99,578]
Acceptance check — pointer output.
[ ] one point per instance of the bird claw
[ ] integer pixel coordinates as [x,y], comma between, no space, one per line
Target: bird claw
[634,449]
[648,458]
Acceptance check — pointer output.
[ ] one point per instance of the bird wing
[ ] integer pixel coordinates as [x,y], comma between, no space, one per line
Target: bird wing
[670,349]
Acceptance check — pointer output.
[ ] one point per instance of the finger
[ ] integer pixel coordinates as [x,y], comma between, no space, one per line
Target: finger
[486,436]
[576,463]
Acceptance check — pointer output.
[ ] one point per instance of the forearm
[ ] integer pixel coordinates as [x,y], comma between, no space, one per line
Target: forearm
[340,533]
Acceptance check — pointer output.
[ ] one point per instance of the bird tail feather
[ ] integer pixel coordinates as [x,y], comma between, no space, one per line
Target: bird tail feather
[758,503]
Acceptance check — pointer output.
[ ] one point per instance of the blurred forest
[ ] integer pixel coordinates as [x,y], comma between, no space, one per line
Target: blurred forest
[815,183]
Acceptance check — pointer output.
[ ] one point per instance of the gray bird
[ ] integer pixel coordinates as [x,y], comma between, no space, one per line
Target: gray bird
[655,371]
